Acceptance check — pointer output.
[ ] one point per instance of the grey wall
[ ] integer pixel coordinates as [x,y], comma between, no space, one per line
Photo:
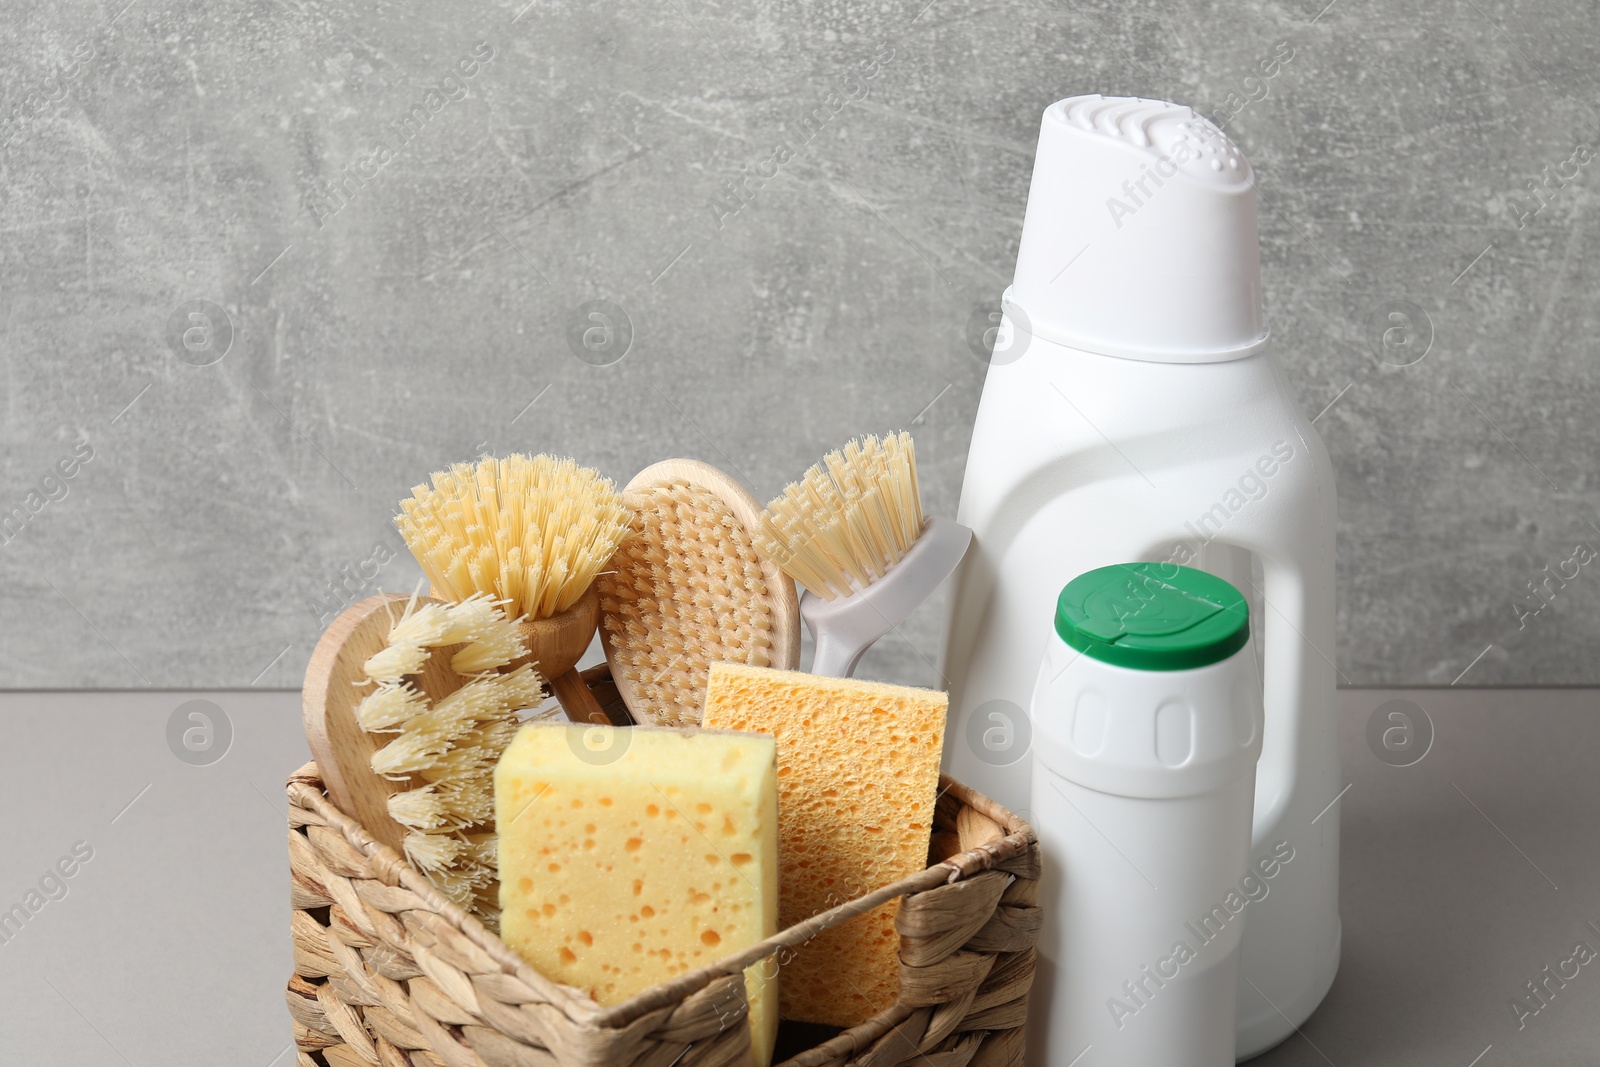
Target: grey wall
[171,151]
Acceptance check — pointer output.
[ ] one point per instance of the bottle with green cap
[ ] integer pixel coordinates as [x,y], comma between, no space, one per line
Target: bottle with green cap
[1135,408]
[1147,723]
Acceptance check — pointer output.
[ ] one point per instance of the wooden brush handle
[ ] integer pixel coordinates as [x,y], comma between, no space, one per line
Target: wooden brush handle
[556,644]
[576,700]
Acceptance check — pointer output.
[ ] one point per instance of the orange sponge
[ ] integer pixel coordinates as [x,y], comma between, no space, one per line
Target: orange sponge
[858,774]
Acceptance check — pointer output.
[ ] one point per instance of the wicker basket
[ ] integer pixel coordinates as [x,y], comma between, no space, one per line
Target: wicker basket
[390,973]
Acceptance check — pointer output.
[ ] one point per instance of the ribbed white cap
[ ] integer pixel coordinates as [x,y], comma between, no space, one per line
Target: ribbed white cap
[1140,237]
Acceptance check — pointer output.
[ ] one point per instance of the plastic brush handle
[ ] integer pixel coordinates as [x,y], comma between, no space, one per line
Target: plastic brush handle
[835,656]
[845,627]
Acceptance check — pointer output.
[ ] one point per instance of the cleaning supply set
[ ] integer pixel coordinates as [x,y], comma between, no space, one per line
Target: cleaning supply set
[477,883]
[718,842]
[1138,415]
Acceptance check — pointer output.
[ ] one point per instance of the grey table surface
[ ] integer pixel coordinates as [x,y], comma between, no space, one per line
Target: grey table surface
[1465,875]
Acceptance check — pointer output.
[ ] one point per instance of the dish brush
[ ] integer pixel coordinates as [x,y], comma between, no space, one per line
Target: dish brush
[688,589]
[406,713]
[853,533]
[534,533]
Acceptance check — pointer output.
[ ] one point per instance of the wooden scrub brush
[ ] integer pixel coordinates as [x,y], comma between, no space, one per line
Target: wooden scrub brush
[533,532]
[406,713]
[688,589]
[853,533]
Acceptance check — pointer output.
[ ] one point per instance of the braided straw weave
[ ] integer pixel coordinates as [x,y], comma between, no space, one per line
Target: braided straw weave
[389,973]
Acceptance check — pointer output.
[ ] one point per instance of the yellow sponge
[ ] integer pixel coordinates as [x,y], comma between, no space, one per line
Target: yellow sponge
[858,775]
[631,856]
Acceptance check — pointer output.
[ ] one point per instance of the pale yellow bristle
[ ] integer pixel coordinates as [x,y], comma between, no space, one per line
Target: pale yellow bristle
[685,590]
[478,619]
[486,847]
[387,707]
[417,809]
[445,751]
[423,739]
[489,653]
[391,664]
[484,893]
[849,519]
[434,853]
[421,626]
[533,532]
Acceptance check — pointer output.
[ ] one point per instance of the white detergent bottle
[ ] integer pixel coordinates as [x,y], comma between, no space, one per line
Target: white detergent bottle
[1146,730]
[1132,412]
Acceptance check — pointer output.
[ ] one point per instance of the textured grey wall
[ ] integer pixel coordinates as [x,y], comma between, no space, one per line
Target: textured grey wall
[502,163]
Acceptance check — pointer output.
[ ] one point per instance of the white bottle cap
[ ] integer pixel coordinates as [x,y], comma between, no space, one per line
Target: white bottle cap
[1140,236]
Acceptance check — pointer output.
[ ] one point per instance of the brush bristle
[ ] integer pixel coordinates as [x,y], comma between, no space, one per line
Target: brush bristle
[385,708]
[685,590]
[420,809]
[852,517]
[435,854]
[446,750]
[533,532]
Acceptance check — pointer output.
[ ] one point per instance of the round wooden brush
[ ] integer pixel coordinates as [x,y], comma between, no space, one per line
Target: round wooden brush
[533,532]
[688,589]
[406,713]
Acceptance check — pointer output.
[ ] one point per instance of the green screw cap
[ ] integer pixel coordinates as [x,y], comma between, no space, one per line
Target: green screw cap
[1153,616]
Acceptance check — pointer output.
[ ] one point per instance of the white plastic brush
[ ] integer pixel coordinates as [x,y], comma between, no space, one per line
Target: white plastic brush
[852,532]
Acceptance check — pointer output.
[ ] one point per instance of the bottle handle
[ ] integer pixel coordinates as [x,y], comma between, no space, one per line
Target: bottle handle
[1294,632]
[1297,683]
